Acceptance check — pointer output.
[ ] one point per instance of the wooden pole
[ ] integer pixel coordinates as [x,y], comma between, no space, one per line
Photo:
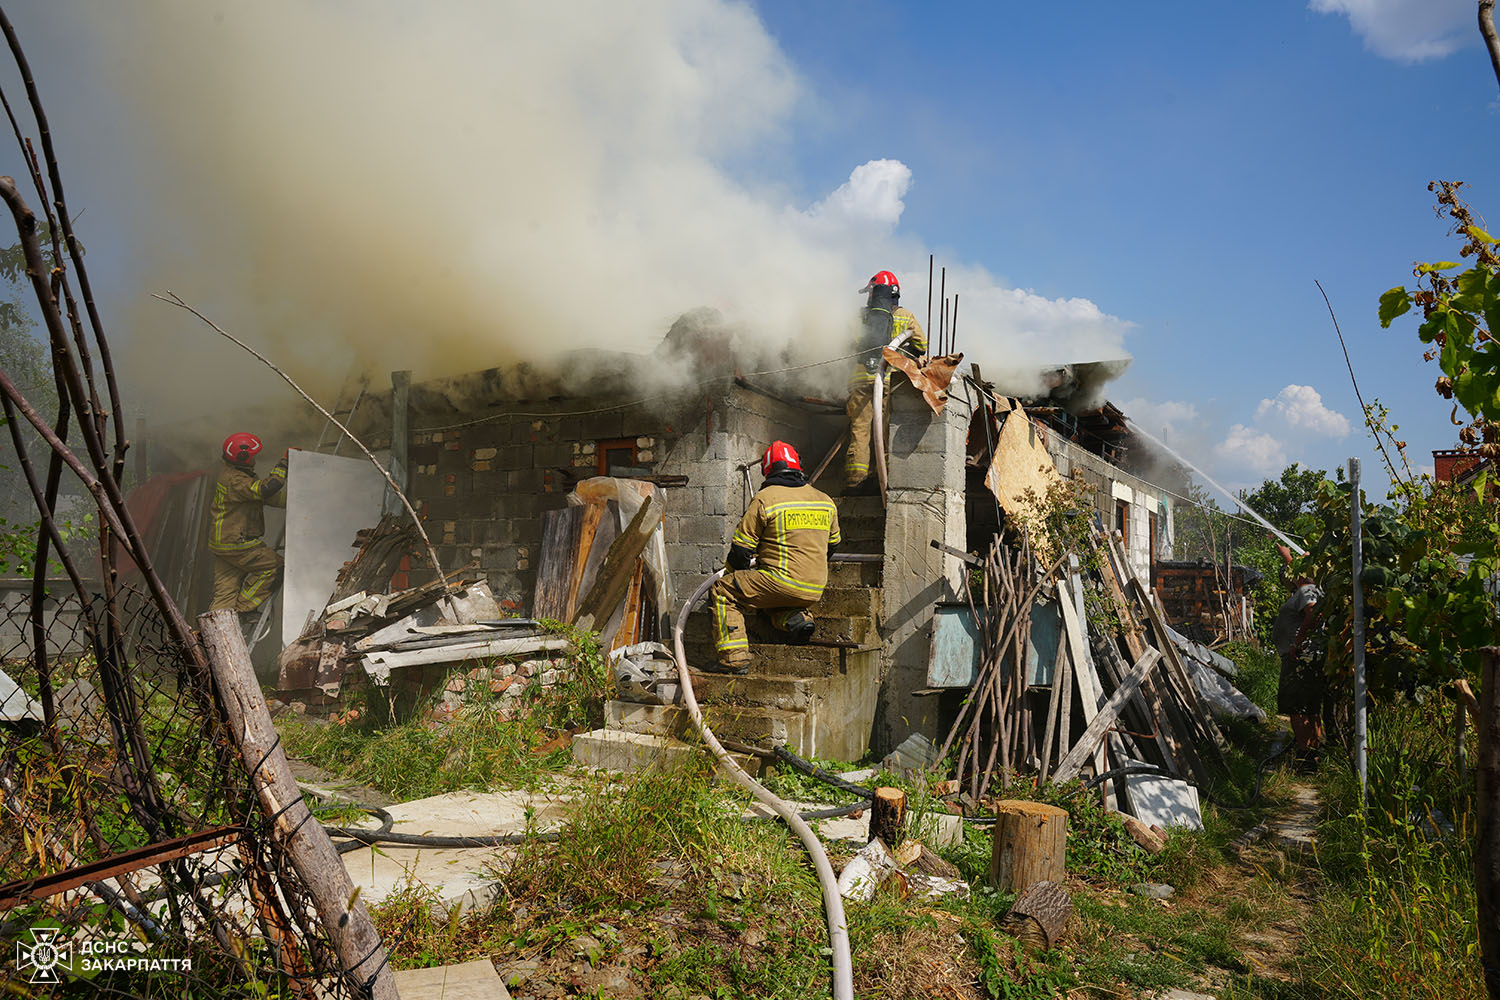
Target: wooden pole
[1487,835]
[888,817]
[1030,845]
[339,907]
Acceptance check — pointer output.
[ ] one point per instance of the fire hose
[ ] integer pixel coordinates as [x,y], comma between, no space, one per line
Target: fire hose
[833,903]
[877,426]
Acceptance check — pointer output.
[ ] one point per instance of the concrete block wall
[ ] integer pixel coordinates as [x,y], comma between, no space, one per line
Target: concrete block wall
[924,503]
[484,488]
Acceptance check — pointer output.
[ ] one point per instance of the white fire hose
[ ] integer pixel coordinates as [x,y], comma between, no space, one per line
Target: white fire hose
[833,903]
[877,427]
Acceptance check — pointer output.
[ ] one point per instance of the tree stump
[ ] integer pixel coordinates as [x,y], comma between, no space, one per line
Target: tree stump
[1030,845]
[888,817]
[1039,916]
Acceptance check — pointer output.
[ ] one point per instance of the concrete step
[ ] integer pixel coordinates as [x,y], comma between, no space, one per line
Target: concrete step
[764,690]
[747,723]
[861,526]
[622,750]
[848,602]
[799,660]
[853,574]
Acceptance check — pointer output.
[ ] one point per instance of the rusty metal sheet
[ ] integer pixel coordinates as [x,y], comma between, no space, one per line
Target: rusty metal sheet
[930,379]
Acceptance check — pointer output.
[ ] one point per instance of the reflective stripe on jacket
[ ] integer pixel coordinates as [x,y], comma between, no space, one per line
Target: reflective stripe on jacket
[237,516]
[790,528]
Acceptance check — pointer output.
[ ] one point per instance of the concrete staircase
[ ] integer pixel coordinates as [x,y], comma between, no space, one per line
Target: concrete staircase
[817,699]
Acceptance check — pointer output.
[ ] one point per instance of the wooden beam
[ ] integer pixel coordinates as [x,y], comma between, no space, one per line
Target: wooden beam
[293,828]
[1093,736]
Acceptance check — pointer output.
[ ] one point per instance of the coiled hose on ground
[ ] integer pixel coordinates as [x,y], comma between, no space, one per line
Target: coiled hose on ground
[833,903]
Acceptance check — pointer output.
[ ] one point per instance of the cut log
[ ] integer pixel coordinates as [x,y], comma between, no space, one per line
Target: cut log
[888,816]
[1030,845]
[1040,916]
[1148,838]
[865,871]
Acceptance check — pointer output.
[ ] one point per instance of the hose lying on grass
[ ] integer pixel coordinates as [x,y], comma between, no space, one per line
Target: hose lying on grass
[833,903]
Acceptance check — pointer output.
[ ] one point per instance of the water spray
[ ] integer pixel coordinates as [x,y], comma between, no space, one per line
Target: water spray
[1135,427]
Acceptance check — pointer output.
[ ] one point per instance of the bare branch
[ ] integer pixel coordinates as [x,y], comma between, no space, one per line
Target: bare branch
[1491,39]
[172,298]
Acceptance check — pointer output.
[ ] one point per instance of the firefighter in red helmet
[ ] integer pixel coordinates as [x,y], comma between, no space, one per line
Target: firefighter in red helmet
[786,534]
[885,320]
[246,570]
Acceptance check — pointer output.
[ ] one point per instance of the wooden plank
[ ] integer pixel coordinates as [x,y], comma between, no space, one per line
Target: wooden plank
[1057,704]
[604,536]
[555,565]
[626,632]
[1084,677]
[322,872]
[619,566]
[593,512]
[1093,736]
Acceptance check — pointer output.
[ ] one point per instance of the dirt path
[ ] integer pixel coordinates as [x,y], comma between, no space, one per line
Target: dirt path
[1281,849]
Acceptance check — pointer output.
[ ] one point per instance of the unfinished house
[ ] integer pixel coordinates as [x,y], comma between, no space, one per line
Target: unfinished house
[494,461]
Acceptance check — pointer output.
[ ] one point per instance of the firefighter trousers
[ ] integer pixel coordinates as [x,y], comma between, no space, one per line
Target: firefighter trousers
[244,579]
[861,410]
[744,590]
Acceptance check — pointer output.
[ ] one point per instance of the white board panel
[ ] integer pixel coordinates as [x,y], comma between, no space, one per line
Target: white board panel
[328,499]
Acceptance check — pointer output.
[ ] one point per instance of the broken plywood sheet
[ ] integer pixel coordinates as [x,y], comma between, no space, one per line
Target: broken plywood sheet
[326,497]
[1021,472]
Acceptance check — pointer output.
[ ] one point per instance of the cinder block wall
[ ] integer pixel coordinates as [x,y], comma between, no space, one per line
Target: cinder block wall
[484,488]
[924,503]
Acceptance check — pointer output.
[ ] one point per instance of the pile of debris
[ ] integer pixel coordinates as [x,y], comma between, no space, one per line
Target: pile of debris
[447,622]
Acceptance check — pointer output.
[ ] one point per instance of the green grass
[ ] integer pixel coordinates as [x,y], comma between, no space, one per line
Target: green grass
[1397,916]
[1259,672]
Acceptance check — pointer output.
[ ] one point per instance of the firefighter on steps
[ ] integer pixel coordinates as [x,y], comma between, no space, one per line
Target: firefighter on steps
[788,531]
[246,570]
[884,321]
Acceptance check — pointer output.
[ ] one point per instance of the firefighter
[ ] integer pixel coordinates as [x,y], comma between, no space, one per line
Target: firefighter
[788,531]
[884,321]
[246,570]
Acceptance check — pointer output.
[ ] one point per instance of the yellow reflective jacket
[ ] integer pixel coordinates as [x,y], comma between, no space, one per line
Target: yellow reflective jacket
[789,528]
[236,516]
[902,320]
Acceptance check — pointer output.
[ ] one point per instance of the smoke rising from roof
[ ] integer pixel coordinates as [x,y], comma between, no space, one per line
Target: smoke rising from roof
[451,187]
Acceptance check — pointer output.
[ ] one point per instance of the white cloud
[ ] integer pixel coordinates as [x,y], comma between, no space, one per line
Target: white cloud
[1407,30]
[872,194]
[1300,406]
[1247,450]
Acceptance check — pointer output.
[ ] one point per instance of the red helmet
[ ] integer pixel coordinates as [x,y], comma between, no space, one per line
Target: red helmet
[241,448]
[779,457]
[883,278]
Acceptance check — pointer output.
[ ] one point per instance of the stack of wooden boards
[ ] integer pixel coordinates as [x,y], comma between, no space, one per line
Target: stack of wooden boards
[602,565]
[1127,696]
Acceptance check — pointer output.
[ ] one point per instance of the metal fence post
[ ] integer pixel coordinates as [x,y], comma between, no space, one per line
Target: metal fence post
[1357,596]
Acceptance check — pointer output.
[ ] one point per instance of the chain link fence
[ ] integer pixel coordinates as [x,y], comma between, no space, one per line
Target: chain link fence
[134,858]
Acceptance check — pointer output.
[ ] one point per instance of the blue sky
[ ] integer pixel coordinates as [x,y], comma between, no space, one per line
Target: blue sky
[451,186]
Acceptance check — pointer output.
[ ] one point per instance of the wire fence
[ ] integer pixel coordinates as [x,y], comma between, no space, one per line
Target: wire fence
[134,857]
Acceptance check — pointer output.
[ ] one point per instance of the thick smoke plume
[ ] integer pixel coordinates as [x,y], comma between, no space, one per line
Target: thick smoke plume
[456,186]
